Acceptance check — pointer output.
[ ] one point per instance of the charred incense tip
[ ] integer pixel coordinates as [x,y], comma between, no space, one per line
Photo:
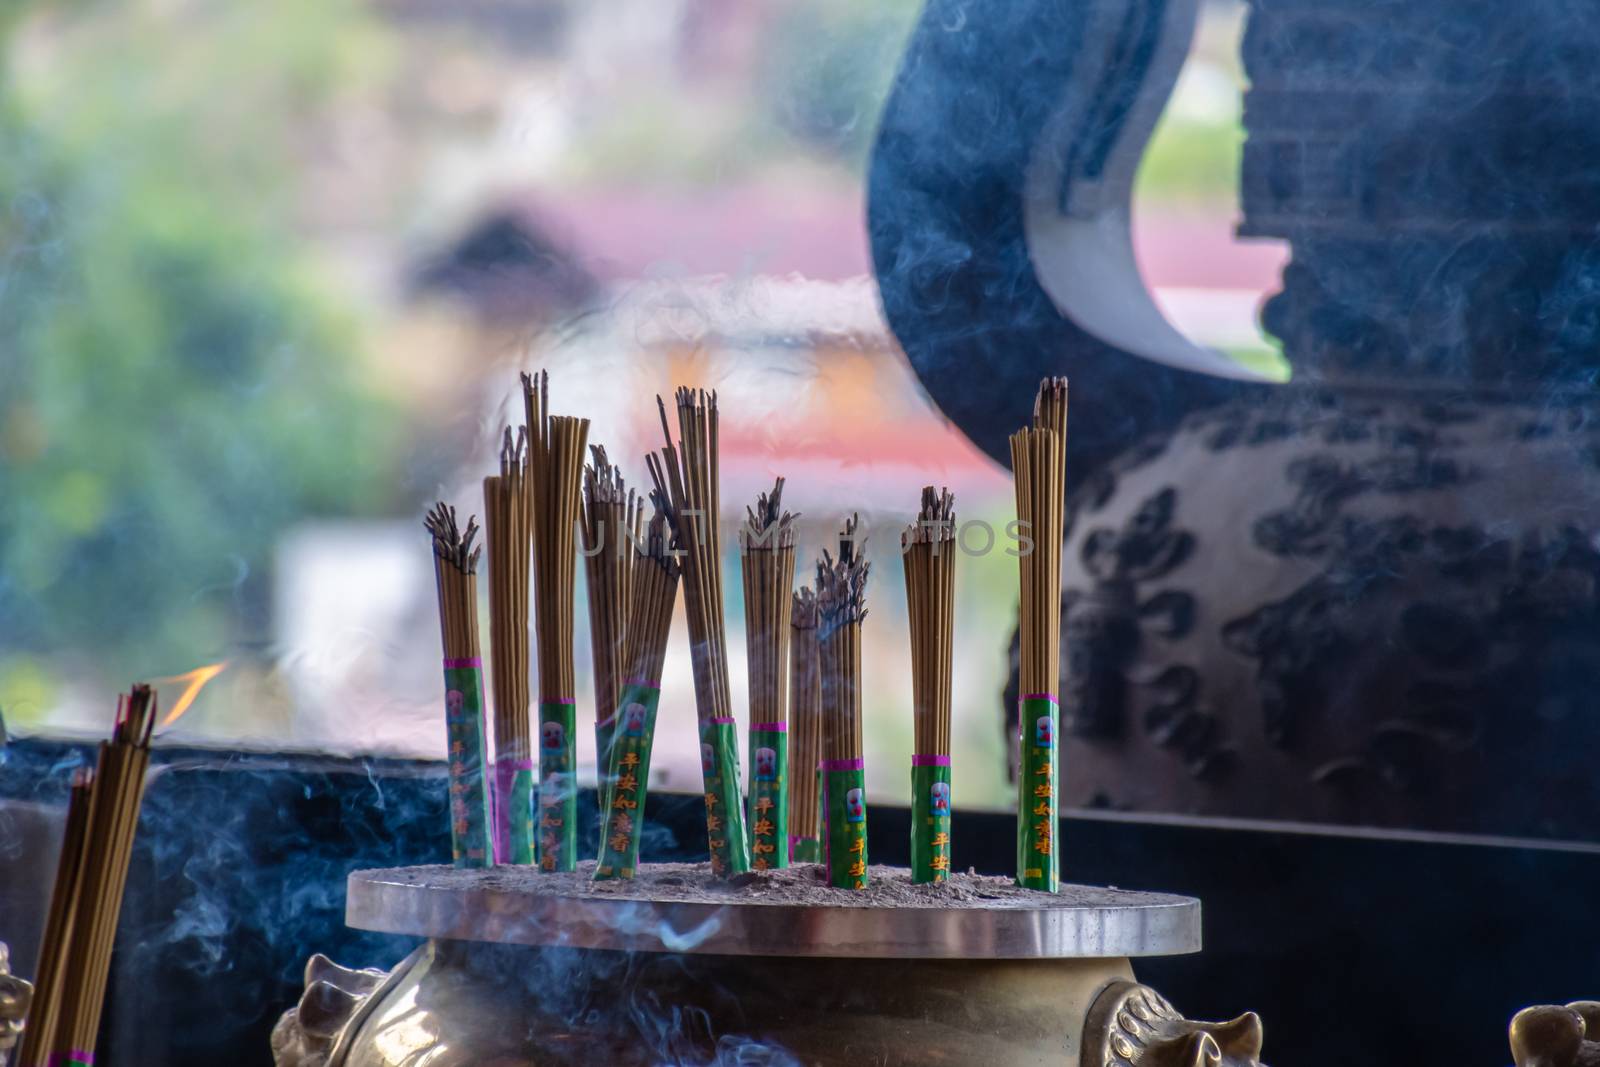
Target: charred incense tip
[842,583]
[450,543]
[936,519]
[136,715]
[513,450]
[602,481]
[767,525]
[803,611]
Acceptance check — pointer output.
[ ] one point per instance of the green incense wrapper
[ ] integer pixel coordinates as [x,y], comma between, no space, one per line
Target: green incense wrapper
[768,817]
[930,818]
[470,845]
[844,826]
[805,850]
[627,781]
[558,794]
[1038,864]
[604,732]
[513,811]
[719,767]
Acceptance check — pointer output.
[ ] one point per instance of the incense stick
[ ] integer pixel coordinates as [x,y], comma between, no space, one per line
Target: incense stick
[652,591]
[86,901]
[841,605]
[686,488]
[767,556]
[506,522]
[455,565]
[805,713]
[610,526]
[928,554]
[1038,461]
[555,468]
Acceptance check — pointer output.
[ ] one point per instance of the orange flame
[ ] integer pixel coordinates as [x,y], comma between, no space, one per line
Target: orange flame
[193,682]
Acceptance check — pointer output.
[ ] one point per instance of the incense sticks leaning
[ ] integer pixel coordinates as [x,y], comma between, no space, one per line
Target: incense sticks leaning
[928,553]
[686,487]
[506,521]
[455,565]
[841,605]
[1038,461]
[555,468]
[805,714]
[610,527]
[767,556]
[652,590]
[86,902]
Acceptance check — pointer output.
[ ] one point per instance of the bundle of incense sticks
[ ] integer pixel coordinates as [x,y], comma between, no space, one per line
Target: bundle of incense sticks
[686,487]
[652,590]
[506,520]
[455,565]
[767,553]
[1038,462]
[86,902]
[555,469]
[610,527]
[928,551]
[805,710]
[841,605]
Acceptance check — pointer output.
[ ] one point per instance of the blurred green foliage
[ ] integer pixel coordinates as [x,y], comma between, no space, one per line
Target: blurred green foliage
[175,390]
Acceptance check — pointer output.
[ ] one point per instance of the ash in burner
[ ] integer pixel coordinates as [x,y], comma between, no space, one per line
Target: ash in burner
[804,884]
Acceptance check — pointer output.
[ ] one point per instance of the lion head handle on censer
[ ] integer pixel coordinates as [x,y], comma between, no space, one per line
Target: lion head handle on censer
[306,1034]
[1552,1035]
[1131,1025]
[15,996]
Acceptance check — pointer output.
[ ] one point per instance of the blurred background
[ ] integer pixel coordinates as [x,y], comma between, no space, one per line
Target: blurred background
[268,274]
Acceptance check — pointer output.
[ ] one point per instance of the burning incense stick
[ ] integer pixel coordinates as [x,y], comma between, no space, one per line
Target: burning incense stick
[805,709]
[687,488]
[1038,461]
[506,521]
[86,902]
[555,468]
[653,588]
[767,555]
[610,525]
[841,605]
[928,552]
[455,565]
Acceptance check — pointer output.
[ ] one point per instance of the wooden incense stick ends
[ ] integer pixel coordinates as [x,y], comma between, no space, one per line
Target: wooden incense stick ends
[86,901]
[841,605]
[687,490]
[767,542]
[556,448]
[805,719]
[652,590]
[455,570]
[610,525]
[928,556]
[1038,460]
[507,519]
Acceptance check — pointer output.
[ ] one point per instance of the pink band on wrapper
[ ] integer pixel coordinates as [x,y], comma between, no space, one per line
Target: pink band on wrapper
[920,760]
[770,727]
[856,764]
[457,664]
[1051,697]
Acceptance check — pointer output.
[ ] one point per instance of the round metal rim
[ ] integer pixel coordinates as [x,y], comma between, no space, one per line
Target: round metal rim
[1123,924]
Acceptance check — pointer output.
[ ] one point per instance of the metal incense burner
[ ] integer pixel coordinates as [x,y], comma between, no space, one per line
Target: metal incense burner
[523,968]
